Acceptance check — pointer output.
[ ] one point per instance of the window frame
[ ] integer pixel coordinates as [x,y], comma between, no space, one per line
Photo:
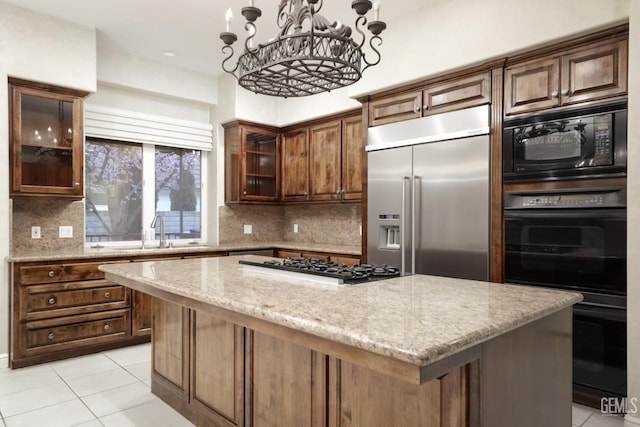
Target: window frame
[149,203]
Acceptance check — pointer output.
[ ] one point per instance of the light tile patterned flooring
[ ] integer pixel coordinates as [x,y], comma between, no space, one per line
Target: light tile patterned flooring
[112,388]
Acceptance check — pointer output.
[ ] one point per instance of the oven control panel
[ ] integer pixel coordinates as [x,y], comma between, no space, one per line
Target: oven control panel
[565,200]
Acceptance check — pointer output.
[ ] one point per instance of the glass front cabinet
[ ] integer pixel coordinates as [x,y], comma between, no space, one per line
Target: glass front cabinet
[251,163]
[46,140]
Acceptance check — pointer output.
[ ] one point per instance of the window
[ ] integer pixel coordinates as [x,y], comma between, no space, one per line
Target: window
[113,195]
[177,186]
[120,207]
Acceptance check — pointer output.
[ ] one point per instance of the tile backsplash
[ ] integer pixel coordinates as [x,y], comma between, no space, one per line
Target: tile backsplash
[49,215]
[332,224]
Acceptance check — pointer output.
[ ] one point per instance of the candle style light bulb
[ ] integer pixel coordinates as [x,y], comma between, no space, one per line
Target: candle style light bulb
[376,11]
[228,17]
[251,3]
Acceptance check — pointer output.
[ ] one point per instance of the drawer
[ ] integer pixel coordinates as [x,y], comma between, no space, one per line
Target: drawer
[59,273]
[57,297]
[86,329]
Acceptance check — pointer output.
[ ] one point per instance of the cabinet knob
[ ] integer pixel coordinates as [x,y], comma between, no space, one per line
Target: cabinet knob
[52,300]
[76,184]
[425,108]
[244,193]
[51,336]
[107,327]
[52,273]
[554,94]
[305,193]
[565,92]
[107,294]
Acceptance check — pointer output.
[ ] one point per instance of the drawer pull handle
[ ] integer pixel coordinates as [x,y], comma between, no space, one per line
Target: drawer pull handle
[52,300]
[51,336]
[106,327]
[107,294]
[52,273]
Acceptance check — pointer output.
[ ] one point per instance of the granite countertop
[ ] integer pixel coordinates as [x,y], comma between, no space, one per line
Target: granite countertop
[182,248]
[417,319]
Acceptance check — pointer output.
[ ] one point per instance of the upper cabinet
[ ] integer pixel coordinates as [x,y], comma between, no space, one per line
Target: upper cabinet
[295,165]
[324,161]
[582,74]
[454,94]
[252,171]
[46,140]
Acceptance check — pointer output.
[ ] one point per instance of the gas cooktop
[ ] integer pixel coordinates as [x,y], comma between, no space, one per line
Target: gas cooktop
[335,273]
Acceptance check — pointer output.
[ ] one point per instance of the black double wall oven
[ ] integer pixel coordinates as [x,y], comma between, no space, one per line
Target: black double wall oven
[573,237]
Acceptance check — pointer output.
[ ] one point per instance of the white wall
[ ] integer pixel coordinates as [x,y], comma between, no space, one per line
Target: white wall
[35,47]
[633,210]
[118,68]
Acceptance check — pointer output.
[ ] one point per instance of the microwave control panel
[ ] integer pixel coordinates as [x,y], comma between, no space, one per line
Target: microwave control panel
[566,200]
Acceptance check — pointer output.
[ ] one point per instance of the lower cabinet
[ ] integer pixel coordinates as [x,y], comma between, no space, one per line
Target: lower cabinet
[217,373]
[337,258]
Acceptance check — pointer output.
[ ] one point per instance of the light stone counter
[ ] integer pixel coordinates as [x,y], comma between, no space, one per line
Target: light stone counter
[183,248]
[416,319]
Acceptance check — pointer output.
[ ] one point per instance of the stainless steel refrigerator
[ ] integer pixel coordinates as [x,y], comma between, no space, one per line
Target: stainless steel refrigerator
[428,194]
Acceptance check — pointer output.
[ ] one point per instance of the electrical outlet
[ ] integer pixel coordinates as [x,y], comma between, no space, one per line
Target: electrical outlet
[248,229]
[35,232]
[295,228]
[65,231]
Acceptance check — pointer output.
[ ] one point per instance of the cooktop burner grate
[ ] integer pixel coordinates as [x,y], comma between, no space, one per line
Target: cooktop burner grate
[319,267]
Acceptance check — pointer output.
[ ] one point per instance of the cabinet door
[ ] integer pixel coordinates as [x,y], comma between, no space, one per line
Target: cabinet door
[259,171]
[295,166]
[286,383]
[170,346]
[532,86]
[217,374]
[325,161]
[395,108]
[594,73]
[47,143]
[141,307]
[352,158]
[457,94]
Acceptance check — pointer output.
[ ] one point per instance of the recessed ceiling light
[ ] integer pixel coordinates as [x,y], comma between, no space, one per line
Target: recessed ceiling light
[169,53]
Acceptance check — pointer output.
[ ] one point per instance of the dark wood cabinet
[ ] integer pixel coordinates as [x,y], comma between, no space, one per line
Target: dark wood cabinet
[454,94]
[142,306]
[337,258]
[295,165]
[325,156]
[46,139]
[252,163]
[65,309]
[352,161]
[395,108]
[582,74]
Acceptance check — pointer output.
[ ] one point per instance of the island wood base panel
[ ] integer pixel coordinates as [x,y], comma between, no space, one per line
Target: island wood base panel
[217,373]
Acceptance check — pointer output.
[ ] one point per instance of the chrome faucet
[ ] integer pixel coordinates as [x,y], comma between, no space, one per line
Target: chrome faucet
[163,239]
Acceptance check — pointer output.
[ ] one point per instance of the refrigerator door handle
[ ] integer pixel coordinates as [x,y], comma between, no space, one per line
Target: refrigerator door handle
[416,181]
[403,221]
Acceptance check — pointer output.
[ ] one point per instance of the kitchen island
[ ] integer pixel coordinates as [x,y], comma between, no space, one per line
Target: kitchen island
[239,348]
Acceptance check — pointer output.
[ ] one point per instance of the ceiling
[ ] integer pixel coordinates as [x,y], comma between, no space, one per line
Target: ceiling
[190,28]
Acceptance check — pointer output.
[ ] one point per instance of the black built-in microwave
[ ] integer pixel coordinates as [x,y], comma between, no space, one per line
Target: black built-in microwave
[573,143]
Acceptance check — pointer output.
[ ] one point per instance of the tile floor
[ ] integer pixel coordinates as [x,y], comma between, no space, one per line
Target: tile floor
[112,388]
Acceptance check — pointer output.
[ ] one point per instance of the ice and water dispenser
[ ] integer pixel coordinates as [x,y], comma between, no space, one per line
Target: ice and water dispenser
[389,236]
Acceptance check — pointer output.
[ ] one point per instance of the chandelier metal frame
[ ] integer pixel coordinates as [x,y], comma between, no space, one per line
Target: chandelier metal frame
[300,63]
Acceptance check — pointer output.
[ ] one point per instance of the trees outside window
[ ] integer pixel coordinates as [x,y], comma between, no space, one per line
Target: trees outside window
[115,173]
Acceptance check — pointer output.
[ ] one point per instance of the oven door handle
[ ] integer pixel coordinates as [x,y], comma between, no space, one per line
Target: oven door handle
[615,314]
[611,213]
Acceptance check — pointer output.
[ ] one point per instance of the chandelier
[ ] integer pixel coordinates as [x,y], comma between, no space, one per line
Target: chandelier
[309,55]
